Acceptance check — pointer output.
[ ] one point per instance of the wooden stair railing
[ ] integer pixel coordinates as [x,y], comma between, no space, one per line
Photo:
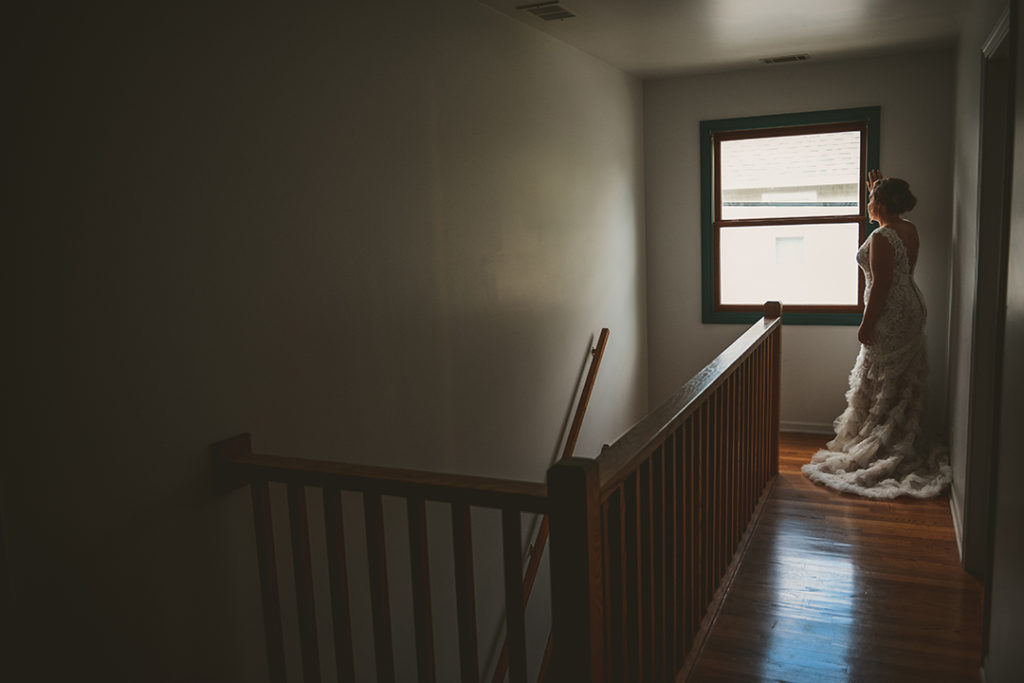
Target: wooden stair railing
[644,537]
[236,464]
[540,541]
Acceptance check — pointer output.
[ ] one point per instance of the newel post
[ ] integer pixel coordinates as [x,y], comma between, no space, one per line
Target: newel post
[577,602]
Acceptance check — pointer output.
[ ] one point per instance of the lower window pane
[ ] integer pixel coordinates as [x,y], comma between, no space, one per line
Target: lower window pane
[797,265]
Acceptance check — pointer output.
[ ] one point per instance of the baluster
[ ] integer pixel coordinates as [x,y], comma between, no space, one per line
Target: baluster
[646,571]
[766,466]
[684,598]
[607,639]
[298,517]
[725,483]
[419,558]
[727,480]
[378,566]
[728,499]
[776,338]
[749,435]
[672,546]
[679,538]
[752,433]
[765,416]
[739,484]
[624,586]
[707,510]
[709,504]
[756,439]
[686,485]
[739,501]
[723,472]
[723,462]
[761,406]
[715,434]
[760,445]
[465,595]
[719,514]
[631,556]
[267,561]
[623,561]
[615,586]
[738,457]
[337,567]
[511,532]
[657,573]
[741,444]
[700,571]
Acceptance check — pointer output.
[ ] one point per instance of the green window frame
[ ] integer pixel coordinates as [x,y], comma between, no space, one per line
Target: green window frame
[866,119]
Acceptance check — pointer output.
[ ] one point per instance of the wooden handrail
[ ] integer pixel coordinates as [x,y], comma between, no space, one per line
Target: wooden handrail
[540,541]
[616,459]
[644,537]
[236,464]
[588,387]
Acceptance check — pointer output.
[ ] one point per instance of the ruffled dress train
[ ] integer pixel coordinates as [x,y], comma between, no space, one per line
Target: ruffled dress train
[878,451]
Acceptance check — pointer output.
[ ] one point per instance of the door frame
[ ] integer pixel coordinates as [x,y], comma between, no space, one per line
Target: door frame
[998,76]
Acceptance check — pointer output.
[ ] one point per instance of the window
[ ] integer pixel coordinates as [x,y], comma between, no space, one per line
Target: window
[783,212]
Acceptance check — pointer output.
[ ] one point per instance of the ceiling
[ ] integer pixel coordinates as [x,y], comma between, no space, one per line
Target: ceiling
[654,38]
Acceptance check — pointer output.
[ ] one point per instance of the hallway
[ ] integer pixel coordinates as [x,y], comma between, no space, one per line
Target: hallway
[839,588]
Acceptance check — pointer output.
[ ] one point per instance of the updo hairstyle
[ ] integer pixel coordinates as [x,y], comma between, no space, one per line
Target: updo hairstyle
[894,194]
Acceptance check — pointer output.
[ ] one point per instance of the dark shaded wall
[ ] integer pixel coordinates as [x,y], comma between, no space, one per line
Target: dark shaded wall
[1005,661]
[378,233]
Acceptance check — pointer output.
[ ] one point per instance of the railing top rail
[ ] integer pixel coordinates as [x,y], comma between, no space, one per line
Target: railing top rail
[615,460]
[236,463]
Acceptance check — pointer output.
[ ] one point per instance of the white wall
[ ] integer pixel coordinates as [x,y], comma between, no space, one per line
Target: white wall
[377,233]
[915,92]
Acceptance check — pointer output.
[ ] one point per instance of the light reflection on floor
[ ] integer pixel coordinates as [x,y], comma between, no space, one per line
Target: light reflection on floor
[814,590]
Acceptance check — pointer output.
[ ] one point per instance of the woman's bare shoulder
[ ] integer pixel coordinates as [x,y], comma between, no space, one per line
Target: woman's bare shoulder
[907,231]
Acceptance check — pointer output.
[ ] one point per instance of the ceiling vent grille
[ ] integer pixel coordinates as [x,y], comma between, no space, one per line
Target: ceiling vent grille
[784,59]
[548,11]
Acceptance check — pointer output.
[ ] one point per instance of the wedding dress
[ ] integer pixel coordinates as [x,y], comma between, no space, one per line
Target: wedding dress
[874,452]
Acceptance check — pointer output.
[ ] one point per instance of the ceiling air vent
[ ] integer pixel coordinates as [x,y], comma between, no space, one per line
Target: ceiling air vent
[784,58]
[548,11]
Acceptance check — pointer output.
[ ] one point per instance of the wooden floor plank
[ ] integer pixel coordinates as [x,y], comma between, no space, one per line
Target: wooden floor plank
[835,587]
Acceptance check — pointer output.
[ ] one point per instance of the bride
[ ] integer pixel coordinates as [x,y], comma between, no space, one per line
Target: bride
[874,451]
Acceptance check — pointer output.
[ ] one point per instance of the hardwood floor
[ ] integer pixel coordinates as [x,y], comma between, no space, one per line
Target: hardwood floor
[834,587]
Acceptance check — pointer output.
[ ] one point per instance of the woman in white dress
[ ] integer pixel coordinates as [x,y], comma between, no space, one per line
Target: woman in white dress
[876,452]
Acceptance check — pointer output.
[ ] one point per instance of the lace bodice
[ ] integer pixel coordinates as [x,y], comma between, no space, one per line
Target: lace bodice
[904,314]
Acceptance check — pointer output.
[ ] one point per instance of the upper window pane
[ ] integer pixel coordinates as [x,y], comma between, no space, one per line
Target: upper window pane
[815,174]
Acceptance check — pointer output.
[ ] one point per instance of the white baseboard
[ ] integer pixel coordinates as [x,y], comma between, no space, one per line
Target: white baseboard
[956,510]
[806,427]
